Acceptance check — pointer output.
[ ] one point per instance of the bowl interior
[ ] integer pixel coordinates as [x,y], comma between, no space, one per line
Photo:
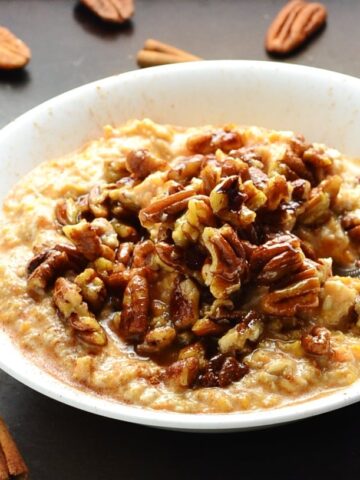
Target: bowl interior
[322,105]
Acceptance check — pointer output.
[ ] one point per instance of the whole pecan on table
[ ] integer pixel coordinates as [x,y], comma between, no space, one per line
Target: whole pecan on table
[114,11]
[14,53]
[294,25]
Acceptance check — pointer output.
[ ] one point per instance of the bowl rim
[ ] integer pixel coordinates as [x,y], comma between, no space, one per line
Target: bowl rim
[43,382]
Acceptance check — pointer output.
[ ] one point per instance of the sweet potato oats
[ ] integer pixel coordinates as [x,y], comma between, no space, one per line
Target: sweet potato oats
[188,269]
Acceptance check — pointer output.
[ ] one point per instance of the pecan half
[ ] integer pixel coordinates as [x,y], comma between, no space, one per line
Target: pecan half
[184,303]
[301,292]
[134,316]
[14,53]
[294,25]
[115,11]
[228,265]
[236,202]
[92,287]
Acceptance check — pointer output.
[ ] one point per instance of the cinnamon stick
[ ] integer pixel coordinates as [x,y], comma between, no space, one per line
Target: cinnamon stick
[150,58]
[155,53]
[12,464]
[157,46]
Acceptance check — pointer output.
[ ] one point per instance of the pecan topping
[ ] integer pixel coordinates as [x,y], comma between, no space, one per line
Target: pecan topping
[114,11]
[86,239]
[294,25]
[317,341]
[189,227]
[204,261]
[13,51]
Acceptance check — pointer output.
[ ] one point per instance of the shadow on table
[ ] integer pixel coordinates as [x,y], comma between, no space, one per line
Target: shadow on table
[14,78]
[64,443]
[93,24]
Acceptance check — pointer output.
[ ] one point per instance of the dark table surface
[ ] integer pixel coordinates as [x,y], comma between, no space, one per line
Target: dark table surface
[70,48]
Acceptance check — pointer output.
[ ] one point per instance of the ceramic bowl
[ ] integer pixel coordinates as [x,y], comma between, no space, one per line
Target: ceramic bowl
[323,105]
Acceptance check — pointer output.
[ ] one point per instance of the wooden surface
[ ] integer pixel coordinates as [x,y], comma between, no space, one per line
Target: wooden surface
[70,48]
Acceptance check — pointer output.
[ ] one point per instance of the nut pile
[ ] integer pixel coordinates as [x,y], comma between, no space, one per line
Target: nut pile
[195,279]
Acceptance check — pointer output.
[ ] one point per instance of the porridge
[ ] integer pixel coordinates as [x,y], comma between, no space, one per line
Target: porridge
[188,269]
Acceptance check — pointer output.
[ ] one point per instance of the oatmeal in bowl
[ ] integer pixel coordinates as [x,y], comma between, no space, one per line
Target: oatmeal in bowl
[201,269]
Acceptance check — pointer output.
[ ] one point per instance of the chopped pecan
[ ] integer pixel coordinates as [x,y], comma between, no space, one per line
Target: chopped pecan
[86,239]
[316,209]
[184,303]
[125,232]
[184,169]
[97,200]
[294,25]
[293,167]
[134,316]
[300,292]
[300,189]
[157,340]
[163,209]
[278,258]
[124,253]
[141,163]
[44,267]
[249,329]
[276,191]
[143,254]
[69,301]
[205,326]
[209,142]
[115,169]
[351,224]
[317,341]
[236,202]
[92,287]
[228,266]
[196,350]
[114,11]
[189,227]
[67,211]
[221,371]
[183,373]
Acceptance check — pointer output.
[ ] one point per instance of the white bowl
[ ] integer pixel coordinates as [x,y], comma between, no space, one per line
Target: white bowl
[323,105]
